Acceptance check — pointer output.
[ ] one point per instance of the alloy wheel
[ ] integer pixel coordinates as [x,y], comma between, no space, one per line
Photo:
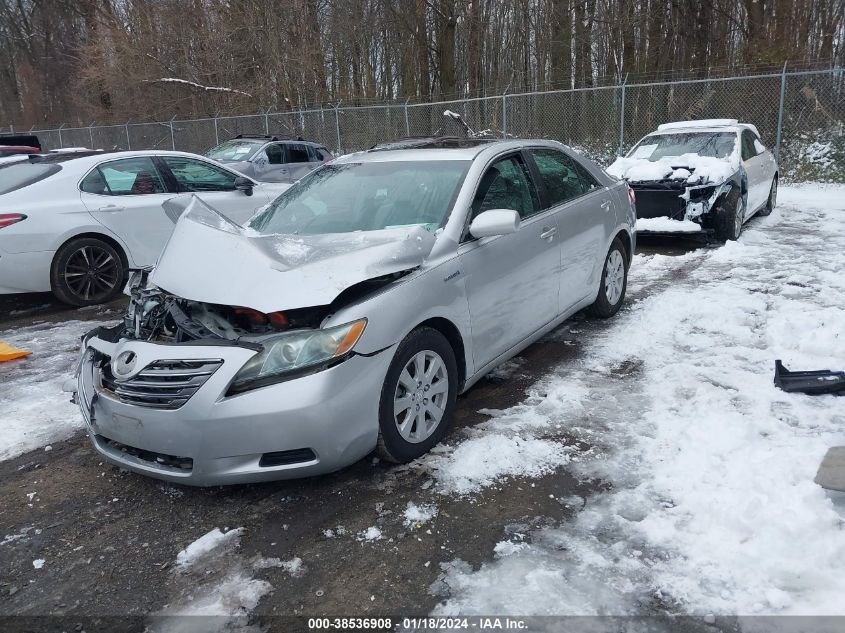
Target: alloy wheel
[420,397]
[91,273]
[614,277]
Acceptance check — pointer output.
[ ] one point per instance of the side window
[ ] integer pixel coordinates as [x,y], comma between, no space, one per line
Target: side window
[196,175]
[275,154]
[588,181]
[748,150]
[298,154]
[129,177]
[506,185]
[559,174]
[323,154]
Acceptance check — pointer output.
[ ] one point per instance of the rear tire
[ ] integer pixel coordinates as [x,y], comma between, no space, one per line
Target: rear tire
[614,282]
[87,271]
[773,199]
[729,215]
[421,384]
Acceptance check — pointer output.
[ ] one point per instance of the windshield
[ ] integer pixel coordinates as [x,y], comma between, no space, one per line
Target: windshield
[18,175]
[346,197]
[713,144]
[236,149]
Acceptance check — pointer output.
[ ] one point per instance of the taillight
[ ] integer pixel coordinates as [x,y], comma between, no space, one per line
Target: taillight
[631,197]
[8,219]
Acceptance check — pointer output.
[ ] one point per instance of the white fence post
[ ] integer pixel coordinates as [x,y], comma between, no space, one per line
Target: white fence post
[128,141]
[622,119]
[780,111]
[337,124]
[505,113]
[91,134]
[172,137]
[407,121]
[61,143]
[216,134]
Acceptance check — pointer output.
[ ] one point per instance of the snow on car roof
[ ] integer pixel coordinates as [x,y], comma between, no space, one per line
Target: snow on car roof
[708,124]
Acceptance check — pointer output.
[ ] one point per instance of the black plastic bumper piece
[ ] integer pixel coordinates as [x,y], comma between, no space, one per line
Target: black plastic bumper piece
[823,381]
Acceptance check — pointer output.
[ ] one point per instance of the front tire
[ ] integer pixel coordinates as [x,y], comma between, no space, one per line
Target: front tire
[87,271]
[730,216]
[773,198]
[418,396]
[614,282]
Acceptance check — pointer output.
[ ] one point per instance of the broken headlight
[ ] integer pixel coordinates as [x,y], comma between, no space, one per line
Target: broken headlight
[295,353]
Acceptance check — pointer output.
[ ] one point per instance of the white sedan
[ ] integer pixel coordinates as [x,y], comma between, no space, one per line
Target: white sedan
[74,224]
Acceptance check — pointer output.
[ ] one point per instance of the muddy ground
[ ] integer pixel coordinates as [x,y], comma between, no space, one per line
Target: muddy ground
[109,538]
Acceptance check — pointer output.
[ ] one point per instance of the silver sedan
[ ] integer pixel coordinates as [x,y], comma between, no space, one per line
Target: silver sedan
[348,315]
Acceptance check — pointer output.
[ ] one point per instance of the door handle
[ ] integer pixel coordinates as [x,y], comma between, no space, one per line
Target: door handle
[548,233]
[605,205]
[111,208]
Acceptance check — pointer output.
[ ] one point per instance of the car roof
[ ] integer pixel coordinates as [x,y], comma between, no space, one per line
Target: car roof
[440,148]
[702,125]
[84,160]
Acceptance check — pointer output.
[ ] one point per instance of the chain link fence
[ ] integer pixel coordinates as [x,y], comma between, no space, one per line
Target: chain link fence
[799,114]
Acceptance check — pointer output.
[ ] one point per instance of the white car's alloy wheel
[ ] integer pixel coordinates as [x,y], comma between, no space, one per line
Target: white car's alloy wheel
[420,398]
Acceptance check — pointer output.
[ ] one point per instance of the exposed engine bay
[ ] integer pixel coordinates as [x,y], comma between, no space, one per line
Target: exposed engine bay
[157,316]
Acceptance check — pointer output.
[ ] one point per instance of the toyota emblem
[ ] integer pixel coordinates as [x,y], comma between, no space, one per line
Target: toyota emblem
[124,364]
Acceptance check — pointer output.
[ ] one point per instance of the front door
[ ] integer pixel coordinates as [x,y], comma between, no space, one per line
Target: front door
[125,196]
[512,280]
[752,161]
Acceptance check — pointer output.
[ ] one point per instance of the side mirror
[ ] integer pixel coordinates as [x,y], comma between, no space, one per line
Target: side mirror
[494,222]
[244,184]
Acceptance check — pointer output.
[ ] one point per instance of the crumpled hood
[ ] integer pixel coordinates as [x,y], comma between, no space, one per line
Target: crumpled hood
[211,259]
[691,168]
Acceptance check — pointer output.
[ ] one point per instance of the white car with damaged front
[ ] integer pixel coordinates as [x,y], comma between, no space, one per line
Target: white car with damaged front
[708,176]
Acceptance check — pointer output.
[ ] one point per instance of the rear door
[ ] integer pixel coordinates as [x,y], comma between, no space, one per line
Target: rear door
[125,196]
[301,159]
[270,164]
[214,185]
[511,280]
[585,216]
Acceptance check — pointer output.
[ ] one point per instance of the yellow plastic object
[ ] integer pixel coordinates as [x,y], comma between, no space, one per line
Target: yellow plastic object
[7,352]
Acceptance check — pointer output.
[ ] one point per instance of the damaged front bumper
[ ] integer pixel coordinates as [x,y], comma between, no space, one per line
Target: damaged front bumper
[672,206]
[161,409]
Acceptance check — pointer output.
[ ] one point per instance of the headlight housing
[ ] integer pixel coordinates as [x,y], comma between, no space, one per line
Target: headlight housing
[297,353]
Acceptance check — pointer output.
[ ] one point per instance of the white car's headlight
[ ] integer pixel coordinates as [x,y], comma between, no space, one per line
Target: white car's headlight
[299,352]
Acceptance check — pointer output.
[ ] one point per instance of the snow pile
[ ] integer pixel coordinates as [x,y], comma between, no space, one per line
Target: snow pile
[419,514]
[667,225]
[696,169]
[33,409]
[212,579]
[293,566]
[370,534]
[713,508]
[483,460]
[206,544]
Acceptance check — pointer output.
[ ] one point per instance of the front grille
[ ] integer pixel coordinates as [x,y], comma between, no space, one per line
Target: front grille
[655,201]
[164,384]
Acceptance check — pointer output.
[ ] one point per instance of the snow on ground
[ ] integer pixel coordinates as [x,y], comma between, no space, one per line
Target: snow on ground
[419,514]
[667,225]
[211,578]
[713,508]
[33,409]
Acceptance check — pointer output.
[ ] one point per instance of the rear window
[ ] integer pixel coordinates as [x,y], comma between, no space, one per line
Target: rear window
[19,175]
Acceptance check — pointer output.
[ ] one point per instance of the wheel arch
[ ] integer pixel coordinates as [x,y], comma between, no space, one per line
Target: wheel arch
[452,334]
[623,236]
[97,236]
